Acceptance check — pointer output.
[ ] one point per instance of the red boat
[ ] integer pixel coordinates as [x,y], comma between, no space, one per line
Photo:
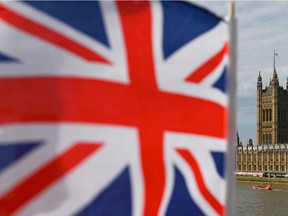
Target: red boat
[260,187]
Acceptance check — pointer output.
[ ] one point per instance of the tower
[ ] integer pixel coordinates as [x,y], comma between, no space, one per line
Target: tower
[259,109]
[274,108]
[272,114]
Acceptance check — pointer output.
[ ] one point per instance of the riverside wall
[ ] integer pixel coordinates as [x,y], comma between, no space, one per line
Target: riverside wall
[261,179]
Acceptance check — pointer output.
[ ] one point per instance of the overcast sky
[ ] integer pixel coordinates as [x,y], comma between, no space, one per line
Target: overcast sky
[262,27]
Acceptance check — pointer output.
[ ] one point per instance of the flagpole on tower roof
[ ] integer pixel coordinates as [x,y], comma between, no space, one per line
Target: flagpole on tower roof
[274,60]
[274,66]
[232,139]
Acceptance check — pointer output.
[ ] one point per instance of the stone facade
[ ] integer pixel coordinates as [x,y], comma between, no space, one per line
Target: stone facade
[262,158]
[270,152]
[272,112]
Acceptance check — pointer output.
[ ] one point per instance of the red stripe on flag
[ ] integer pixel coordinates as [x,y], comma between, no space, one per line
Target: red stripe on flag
[142,72]
[53,99]
[200,181]
[200,73]
[26,190]
[49,35]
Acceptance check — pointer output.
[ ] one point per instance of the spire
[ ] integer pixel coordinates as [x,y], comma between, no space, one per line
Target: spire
[274,54]
[275,77]
[259,82]
[259,77]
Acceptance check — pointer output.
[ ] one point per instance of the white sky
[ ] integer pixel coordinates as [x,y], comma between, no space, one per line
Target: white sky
[262,27]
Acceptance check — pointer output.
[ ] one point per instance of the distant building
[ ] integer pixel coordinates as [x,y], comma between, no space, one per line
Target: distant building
[271,150]
[262,158]
[272,106]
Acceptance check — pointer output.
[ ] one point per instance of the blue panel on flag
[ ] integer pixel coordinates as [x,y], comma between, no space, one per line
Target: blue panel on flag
[6,58]
[219,159]
[115,200]
[9,153]
[181,202]
[221,82]
[85,16]
[184,22]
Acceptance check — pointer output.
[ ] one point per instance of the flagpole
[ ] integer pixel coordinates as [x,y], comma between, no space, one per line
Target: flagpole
[231,154]
[274,57]
[274,60]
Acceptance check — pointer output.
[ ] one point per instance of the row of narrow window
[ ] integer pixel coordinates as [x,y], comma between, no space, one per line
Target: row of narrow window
[267,138]
[267,115]
[282,139]
[249,168]
[282,115]
[265,158]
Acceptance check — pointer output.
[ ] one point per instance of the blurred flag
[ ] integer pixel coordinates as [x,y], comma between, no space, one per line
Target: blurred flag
[112,108]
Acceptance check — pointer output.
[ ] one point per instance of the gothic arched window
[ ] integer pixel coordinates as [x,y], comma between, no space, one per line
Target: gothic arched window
[270,138]
[270,114]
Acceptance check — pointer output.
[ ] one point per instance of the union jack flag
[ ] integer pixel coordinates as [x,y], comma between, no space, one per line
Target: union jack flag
[112,108]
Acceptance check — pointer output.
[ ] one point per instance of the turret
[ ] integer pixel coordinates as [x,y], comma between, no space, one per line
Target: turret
[275,107]
[259,109]
[239,143]
[259,81]
[274,82]
[250,143]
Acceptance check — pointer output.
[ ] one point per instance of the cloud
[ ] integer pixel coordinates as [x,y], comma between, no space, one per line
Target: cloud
[262,27]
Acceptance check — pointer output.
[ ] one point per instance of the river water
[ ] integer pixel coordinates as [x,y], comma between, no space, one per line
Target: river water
[262,202]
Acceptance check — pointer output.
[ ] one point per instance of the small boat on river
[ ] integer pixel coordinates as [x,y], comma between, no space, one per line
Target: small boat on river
[260,187]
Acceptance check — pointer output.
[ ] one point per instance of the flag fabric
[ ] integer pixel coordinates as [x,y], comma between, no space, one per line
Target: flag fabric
[112,108]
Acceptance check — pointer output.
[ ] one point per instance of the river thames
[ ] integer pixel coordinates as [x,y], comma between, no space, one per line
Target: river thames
[261,202]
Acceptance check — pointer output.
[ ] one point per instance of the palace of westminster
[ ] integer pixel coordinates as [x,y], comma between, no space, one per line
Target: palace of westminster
[271,151]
